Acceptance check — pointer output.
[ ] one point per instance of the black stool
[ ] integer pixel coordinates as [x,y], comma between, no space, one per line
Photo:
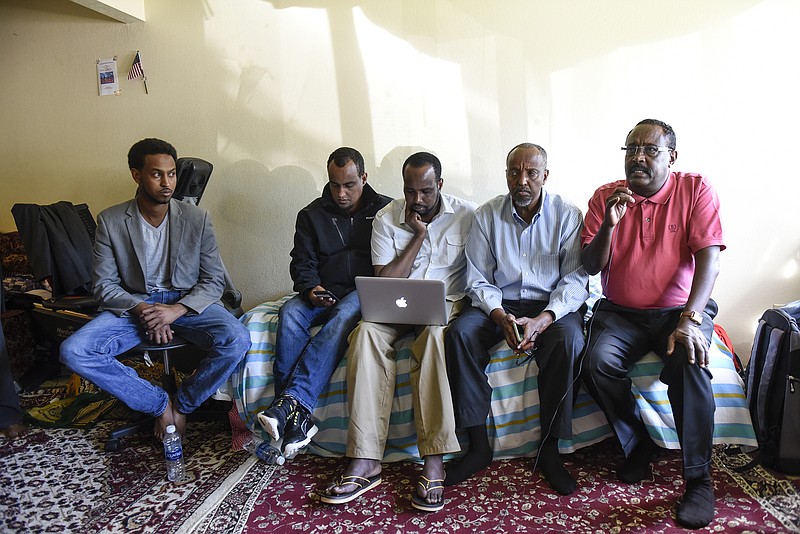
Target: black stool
[114,443]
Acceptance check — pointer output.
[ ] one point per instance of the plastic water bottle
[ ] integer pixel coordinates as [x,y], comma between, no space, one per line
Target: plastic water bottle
[264,452]
[173,452]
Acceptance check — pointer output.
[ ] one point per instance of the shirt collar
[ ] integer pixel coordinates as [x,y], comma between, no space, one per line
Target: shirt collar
[509,206]
[447,206]
[662,195]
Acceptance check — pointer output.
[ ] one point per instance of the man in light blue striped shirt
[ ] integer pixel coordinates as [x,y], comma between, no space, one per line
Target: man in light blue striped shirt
[527,286]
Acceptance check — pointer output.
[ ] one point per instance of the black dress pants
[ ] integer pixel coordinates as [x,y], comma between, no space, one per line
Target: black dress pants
[467,343]
[10,411]
[618,338]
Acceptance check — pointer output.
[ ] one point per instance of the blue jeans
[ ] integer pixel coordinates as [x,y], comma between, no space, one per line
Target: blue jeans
[304,364]
[91,352]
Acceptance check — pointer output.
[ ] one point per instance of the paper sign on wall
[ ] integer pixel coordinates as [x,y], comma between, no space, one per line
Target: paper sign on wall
[107,81]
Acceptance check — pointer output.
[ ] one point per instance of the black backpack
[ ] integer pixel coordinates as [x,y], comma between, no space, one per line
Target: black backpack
[773,388]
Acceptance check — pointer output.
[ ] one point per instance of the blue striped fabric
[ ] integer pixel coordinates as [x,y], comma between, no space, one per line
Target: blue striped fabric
[514,421]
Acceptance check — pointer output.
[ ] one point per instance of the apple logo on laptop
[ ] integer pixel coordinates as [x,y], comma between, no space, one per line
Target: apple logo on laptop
[401,302]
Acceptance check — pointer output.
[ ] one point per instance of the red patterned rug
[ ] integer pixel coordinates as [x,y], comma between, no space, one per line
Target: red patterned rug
[508,497]
[60,480]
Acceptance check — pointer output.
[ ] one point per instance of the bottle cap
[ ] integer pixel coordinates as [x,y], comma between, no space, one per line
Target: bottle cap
[170,429]
[280,460]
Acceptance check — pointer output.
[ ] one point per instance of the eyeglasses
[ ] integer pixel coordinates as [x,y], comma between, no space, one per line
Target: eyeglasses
[650,151]
[525,356]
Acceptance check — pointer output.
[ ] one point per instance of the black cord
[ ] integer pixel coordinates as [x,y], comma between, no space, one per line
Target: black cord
[577,377]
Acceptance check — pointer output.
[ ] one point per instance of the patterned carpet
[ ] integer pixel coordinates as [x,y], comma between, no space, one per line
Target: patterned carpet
[508,497]
[60,480]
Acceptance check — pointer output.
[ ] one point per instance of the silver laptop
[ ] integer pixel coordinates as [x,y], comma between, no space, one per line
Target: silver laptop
[402,300]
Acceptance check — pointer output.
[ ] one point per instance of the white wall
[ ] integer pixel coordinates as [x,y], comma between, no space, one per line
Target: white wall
[267,89]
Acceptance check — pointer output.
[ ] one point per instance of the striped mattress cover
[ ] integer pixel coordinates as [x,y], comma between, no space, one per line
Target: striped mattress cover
[514,420]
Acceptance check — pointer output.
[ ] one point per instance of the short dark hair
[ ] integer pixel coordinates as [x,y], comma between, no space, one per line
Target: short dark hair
[420,159]
[343,154]
[541,150]
[668,131]
[147,147]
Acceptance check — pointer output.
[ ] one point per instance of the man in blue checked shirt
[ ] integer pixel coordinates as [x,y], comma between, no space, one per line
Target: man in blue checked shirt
[527,286]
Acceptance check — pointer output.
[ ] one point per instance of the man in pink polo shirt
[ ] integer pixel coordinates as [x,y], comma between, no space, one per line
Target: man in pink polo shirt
[655,238]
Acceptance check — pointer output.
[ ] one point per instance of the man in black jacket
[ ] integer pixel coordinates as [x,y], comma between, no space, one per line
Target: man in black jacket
[331,247]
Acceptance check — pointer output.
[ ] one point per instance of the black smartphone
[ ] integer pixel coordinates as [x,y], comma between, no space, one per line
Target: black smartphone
[326,295]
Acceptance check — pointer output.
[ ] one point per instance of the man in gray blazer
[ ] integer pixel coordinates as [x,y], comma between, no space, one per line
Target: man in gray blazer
[157,271]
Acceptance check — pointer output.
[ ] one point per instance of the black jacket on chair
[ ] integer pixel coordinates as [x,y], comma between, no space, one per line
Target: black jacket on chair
[58,245]
[331,247]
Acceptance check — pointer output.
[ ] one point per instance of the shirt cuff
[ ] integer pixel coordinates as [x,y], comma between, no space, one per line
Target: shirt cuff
[558,310]
[489,305]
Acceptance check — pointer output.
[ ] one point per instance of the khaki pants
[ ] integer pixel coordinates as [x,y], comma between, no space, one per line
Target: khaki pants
[371,373]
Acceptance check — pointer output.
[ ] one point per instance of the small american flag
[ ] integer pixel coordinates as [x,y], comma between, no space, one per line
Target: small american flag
[136,69]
